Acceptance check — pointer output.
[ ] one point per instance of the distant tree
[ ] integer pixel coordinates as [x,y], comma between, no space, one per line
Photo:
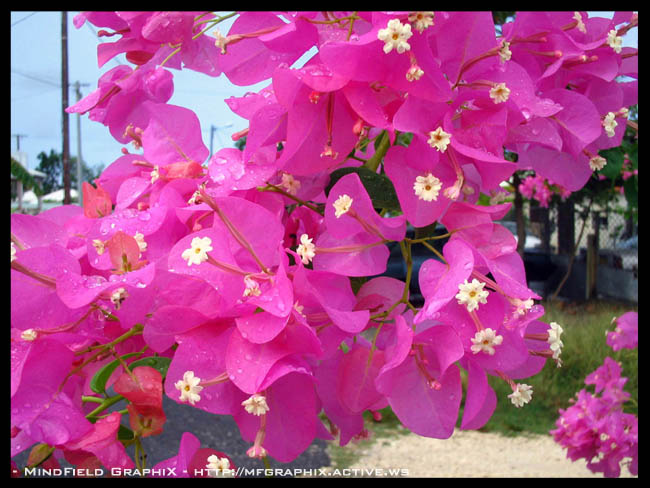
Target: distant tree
[52,165]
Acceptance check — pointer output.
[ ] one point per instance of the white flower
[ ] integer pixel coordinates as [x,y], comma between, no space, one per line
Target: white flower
[13,252]
[499,93]
[290,184]
[29,335]
[198,252]
[522,395]
[414,73]
[485,340]
[427,187]
[609,123]
[439,139]
[395,36]
[306,250]
[597,163]
[504,52]
[342,205]
[522,306]
[218,466]
[155,174]
[221,41]
[554,341]
[471,294]
[142,244]
[252,287]
[189,388]
[256,405]
[614,41]
[581,26]
[118,296]
[99,246]
[421,20]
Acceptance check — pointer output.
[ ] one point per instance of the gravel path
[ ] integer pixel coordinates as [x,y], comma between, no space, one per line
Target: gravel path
[471,454]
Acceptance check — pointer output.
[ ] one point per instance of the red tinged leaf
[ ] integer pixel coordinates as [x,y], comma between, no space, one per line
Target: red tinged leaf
[97,201]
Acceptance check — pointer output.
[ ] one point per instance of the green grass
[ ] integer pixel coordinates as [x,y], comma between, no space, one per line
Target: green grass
[584,350]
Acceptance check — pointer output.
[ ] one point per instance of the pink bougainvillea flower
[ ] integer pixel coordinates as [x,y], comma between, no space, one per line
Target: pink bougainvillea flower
[626,333]
[421,382]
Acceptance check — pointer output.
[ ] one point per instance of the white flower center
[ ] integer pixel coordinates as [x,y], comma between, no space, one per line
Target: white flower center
[485,340]
[581,26]
[189,388]
[504,53]
[252,287]
[29,335]
[421,20]
[99,246]
[290,184]
[439,139]
[217,466]
[13,252]
[522,395]
[198,252]
[155,174]
[306,250]
[614,41]
[256,405]
[342,205]
[554,341]
[427,187]
[499,93]
[471,294]
[609,123]
[414,73]
[597,163]
[118,296]
[395,36]
[142,244]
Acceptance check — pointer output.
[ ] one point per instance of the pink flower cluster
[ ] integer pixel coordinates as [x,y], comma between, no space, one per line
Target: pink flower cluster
[541,189]
[595,427]
[235,269]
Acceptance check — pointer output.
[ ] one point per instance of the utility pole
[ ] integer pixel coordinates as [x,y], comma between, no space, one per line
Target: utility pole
[18,136]
[64,97]
[214,129]
[77,87]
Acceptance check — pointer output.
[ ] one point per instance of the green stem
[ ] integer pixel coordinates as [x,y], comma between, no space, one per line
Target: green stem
[104,405]
[373,163]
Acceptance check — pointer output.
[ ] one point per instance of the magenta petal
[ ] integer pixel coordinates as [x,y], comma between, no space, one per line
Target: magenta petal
[167,322]
[439,282]
[326,375]
[364,261]
[35,231]
[202,351]
[423,410]
[188,446]
[248,363]
[480,400]
[397,351]
[356,384]
[261,327]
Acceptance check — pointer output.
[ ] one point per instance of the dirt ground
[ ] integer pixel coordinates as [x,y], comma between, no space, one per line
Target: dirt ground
[470,454]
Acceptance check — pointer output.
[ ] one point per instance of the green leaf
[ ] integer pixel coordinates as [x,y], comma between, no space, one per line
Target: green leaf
[631,192]
[614,157]
[98,383]
[125,434]
[156,362]
[379,187]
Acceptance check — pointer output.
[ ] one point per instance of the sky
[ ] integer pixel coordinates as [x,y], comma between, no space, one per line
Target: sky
[36,111]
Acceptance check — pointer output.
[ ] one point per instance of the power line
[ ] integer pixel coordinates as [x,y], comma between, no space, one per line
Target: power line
[35,78]
[24,18]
